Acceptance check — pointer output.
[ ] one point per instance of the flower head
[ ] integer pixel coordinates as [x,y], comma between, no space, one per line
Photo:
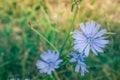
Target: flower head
[81,66]
[90,38]
[50,61]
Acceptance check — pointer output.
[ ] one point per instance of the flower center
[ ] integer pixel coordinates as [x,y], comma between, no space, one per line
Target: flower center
[90,39]
[51,64]
[80,58]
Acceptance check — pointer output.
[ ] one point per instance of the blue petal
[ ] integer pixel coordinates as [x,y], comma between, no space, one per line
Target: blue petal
[77,68]
[92,28]
[52,56]
[97,48]
[87,50]
[45,56]
[82,56]
[73,60]
[56,66]
[80,47]
[100,33]
[83,70]
[44,70]
[94,51]
[41,71]
[88,26]
[78,36]
[92,25]
[73,54]
[58,62]
[79,42]
[82,26]
[49,72]
[99,44]
[40,64]
[55,57]
[81,63]
[101,41]
[49,56]
[96,29]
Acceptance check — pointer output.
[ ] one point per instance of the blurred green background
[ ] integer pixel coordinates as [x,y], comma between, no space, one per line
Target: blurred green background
[20,47]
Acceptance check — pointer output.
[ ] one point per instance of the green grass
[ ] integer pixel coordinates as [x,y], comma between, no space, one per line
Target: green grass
[20,46]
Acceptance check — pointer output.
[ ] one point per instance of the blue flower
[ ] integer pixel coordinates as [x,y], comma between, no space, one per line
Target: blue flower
[90,38]
[81,66]
[50,61]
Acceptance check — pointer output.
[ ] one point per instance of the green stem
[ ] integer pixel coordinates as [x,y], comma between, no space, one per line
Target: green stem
[51,76]
[66,60]
[44,39]
[70,29]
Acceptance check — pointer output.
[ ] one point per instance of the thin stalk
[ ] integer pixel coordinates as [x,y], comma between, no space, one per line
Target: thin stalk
[56,75]
[66,60]
[70,29]
[44,39]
